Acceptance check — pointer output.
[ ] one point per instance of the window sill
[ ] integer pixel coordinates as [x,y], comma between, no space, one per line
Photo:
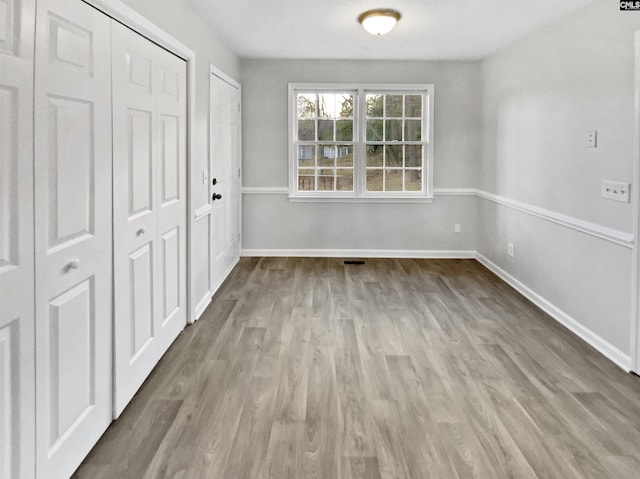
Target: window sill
[360,199]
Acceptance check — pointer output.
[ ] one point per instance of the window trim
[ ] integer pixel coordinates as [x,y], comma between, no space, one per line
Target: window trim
[360,90]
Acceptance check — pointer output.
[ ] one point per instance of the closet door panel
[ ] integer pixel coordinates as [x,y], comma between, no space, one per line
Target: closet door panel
[171,277]
[17,356]
[73,233]
[141,294]
[149,120]
[140,177]
[170,159]
[172,204]
[72,380]
[134,208]
[70,177]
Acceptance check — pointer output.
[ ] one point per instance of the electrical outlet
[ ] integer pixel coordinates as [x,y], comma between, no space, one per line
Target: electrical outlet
[456,228]
[592,139]
[615,190]
[511,250]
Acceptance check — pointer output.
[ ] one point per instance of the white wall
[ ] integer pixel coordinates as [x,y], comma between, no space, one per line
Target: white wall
[175,18]
[540,96]
[271,222]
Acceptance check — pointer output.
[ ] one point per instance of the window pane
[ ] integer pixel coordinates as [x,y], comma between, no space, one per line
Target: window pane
[326,155]
[393,130]
[413,156]
[413,180]
[374,180]
[306,180]
[307,130]
[327,105]
[374,130]
[413,106]
[374,105]
[306,155]
[344,155]
[345,105]
[412,130]
[344,180]
[393,156]
[306,105]
[393,180]
[393,105]
[344,130]
[325,130]
[325,180]
[374,155]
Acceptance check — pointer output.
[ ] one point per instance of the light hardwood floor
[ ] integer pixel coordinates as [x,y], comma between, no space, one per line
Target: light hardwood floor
[309,368]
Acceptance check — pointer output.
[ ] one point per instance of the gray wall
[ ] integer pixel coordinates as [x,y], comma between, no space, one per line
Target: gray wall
[271,222]
[540,96]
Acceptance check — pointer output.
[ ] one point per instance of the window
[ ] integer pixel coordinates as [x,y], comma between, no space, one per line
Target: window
[324,138]
[368,142]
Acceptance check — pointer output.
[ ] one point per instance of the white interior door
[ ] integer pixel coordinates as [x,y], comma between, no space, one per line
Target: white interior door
[149,128]
[225,172]
[17,352]
[73,237]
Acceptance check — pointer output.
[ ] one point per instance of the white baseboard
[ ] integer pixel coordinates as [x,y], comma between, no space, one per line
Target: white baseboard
[614,354]
[206,300]
[224,276]
[359,253]
[202,305]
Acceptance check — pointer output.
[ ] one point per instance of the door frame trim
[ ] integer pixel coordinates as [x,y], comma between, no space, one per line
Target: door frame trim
[126,15]
[635,273]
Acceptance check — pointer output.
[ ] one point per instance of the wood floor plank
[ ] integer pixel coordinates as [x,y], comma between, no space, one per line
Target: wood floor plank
[355,430]
[321,438]
[249,449]
[395,369]
[360,468]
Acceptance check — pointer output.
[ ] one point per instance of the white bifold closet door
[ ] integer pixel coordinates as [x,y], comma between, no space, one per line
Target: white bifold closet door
[17,356]
[73,233]
[149,138]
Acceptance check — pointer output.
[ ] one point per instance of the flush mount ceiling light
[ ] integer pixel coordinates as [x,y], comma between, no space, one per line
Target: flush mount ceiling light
[379,21]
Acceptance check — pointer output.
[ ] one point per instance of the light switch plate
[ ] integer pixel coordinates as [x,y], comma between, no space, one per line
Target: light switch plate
[615,190]
[592,139]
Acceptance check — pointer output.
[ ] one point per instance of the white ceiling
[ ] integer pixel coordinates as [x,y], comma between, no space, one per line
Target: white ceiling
[428,30]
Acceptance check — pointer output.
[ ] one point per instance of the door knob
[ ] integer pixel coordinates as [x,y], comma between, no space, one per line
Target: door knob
[73,264]
[141,231]
[216,197]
